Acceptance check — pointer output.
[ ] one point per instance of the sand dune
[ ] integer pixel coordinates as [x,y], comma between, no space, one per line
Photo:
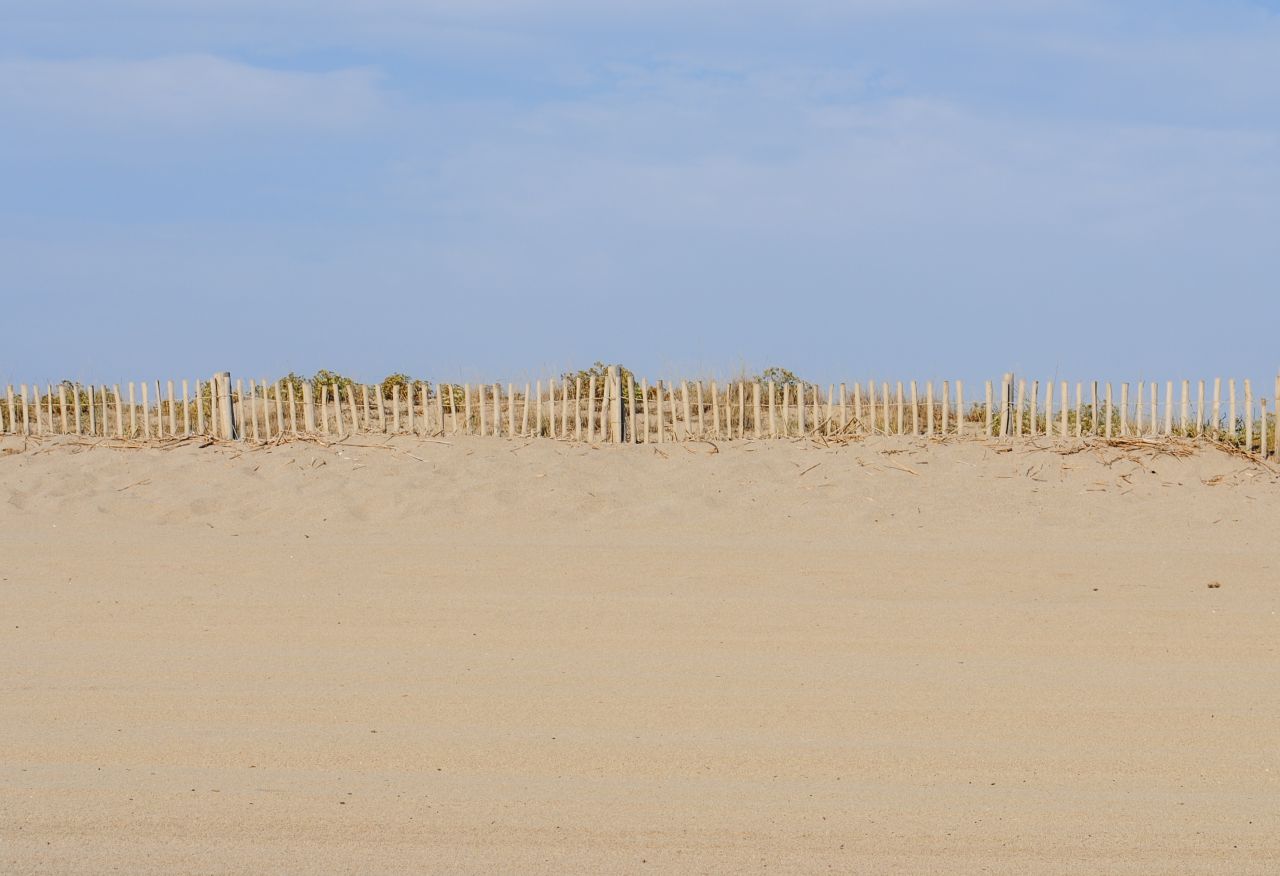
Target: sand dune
[480,656]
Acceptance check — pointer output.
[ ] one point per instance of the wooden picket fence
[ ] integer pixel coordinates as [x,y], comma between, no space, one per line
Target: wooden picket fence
[614,409]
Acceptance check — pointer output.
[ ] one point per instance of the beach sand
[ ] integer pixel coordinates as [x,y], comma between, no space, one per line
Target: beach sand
[491,656]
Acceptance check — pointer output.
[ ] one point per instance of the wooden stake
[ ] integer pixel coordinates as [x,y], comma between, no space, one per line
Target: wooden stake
[684,403]
[146,408]
[279,408]
[1262,439]
[1124,410]
[173,413]
[1186,407]
[1048,409]
[106,420]
[324,408]
[351,406]
[631,408]
[1248,416]
[715,412]
[1137,408]
[773,410]
[339,419]
[884,397]
[946,407]
[1022,392]
[786,410]
[702,425]
[1108,410]
[928,408]
[538,411]
[742,409]
[564,407]
[657,408]
[901,419]
[646,429]
[615,405]
[253,410]
[133,412]
[1005,424]
[75,391]
[915,410]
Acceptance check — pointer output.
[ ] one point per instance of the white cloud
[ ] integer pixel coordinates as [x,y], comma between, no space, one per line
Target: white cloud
[193,92]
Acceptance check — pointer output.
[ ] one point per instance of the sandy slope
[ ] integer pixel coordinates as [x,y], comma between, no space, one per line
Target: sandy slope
[494,657]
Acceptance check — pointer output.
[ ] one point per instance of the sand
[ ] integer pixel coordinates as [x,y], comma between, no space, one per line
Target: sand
[486,656]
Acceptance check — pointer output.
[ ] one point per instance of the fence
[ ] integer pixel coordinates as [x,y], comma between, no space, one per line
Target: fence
[616,409]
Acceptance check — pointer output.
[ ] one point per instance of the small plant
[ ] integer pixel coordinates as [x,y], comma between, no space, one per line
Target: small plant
[404,382]
[600,371]
[324,377]
[780,376]
[782,379]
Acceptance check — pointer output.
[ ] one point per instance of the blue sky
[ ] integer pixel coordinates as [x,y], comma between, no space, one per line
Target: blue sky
[503,190]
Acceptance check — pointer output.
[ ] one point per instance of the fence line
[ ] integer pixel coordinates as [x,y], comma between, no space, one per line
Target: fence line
[612,409]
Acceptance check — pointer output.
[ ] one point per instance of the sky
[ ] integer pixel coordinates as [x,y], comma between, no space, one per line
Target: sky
[507,189]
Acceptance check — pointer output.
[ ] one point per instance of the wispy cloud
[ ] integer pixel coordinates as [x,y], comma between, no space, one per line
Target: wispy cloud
[193,93]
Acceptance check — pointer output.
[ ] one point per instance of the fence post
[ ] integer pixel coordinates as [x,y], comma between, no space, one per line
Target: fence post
[615,404]
[308,408]
[1006,405]
[227,427]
